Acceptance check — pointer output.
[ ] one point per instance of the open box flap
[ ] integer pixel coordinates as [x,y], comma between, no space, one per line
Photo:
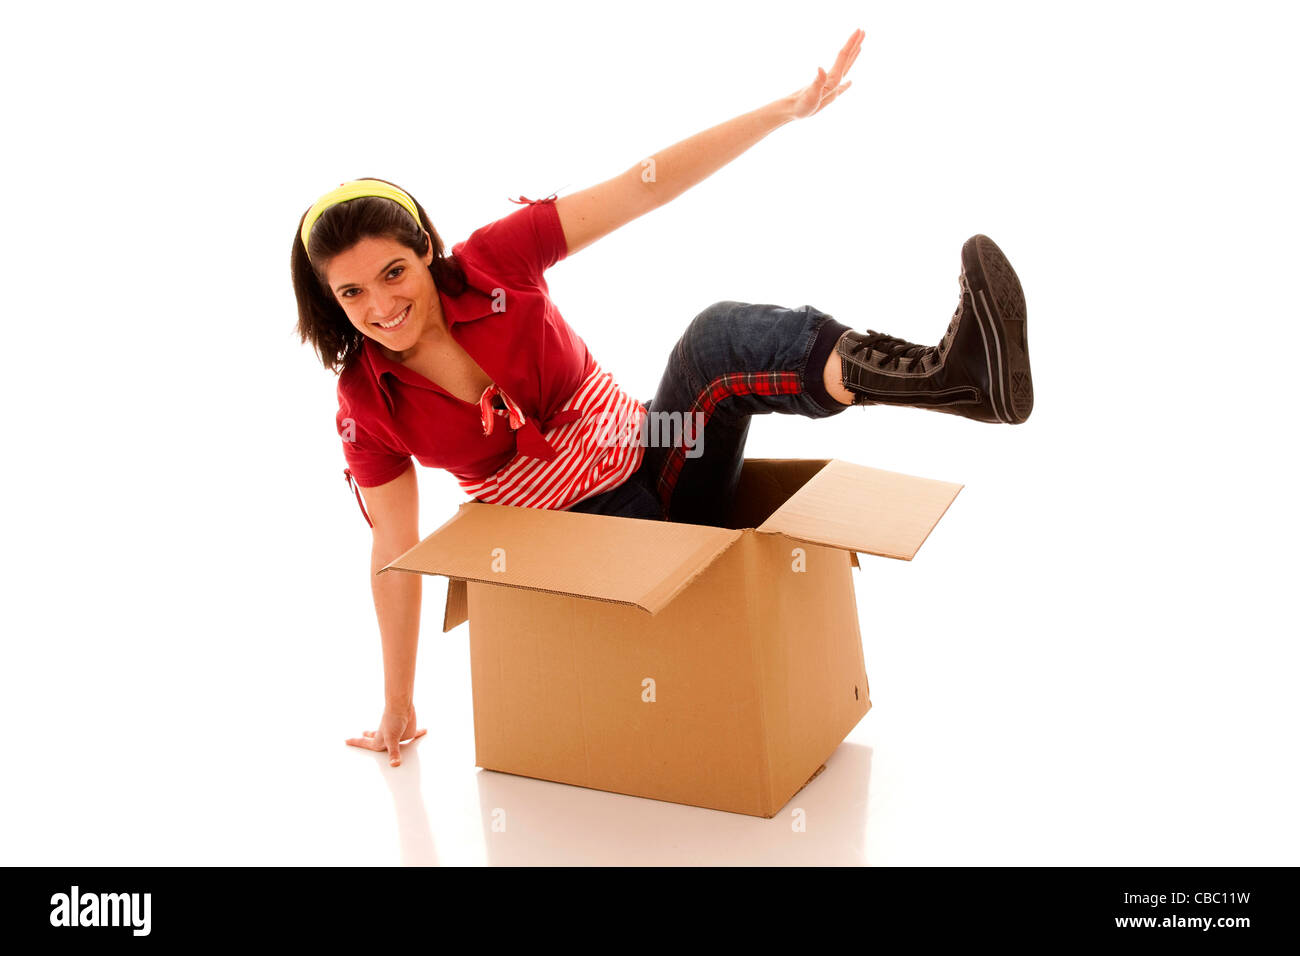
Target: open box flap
[456,611]
[621,560]
[864,509]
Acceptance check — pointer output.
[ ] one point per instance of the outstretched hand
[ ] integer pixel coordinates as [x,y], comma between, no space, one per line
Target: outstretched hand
[393,729]
[816,95]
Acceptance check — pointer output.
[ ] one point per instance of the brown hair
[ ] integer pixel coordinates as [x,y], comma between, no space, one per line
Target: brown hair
[321,319]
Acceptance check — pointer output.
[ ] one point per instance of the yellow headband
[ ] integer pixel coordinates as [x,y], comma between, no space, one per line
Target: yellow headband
[356,190]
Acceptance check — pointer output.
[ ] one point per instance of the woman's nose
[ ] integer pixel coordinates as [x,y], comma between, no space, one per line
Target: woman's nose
[381,306]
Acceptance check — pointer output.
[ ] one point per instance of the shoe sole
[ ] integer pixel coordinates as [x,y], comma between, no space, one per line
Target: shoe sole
[1000,315]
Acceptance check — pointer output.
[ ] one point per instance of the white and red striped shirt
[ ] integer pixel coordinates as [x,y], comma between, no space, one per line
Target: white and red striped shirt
[596,447]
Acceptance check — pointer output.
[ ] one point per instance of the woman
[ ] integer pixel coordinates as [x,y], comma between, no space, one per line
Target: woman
[464,362]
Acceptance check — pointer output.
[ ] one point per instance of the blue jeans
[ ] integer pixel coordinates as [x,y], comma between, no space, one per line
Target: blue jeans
[734,360]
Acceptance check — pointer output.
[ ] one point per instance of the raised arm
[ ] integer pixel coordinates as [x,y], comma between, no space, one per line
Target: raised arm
[598,210]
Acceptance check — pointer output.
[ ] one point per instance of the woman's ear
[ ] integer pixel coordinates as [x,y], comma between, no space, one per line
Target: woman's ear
[428,252]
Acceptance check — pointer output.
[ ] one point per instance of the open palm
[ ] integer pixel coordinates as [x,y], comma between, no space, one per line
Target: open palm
[816,95]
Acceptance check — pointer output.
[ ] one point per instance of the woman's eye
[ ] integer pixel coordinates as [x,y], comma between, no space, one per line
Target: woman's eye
[393,273]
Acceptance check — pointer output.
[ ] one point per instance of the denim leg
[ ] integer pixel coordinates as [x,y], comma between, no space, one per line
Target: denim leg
[734,360]
[632,499]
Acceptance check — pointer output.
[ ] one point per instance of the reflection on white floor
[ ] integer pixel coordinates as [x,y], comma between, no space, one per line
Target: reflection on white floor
[525,821]
[574,826]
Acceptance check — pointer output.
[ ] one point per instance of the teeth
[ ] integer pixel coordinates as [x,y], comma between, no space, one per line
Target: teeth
[389,325]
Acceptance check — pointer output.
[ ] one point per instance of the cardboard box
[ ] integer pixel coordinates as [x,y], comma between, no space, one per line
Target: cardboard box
[718,667]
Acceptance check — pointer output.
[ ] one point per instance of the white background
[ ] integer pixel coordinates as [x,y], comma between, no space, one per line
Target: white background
[1091,660]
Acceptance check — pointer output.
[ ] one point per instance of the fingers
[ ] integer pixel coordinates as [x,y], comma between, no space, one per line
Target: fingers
[370,740]
[841,57]
[846,57]
[853,58]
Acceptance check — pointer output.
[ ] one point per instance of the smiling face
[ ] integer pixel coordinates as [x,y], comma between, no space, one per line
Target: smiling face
[386,291]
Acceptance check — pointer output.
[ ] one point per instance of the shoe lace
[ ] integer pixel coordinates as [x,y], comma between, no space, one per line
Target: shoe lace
[892,348]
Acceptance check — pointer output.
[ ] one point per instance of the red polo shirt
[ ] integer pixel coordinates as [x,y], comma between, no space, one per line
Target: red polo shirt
[508,324]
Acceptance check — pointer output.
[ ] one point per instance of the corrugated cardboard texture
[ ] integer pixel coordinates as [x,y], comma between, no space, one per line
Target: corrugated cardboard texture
[757,670]
[864,509]
[623,560]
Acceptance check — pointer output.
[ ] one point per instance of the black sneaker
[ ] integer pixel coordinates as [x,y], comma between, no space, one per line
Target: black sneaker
[981,368]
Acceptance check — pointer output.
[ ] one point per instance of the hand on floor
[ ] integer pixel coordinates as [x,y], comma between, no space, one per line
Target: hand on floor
[393,729]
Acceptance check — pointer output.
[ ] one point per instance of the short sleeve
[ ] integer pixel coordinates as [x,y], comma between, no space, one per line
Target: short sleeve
[371,461]
[525,243]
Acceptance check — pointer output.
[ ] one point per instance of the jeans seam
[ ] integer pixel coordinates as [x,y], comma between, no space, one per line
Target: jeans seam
[807,352]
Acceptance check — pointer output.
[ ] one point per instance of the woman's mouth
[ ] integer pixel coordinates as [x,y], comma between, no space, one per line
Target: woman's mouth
[397,322]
